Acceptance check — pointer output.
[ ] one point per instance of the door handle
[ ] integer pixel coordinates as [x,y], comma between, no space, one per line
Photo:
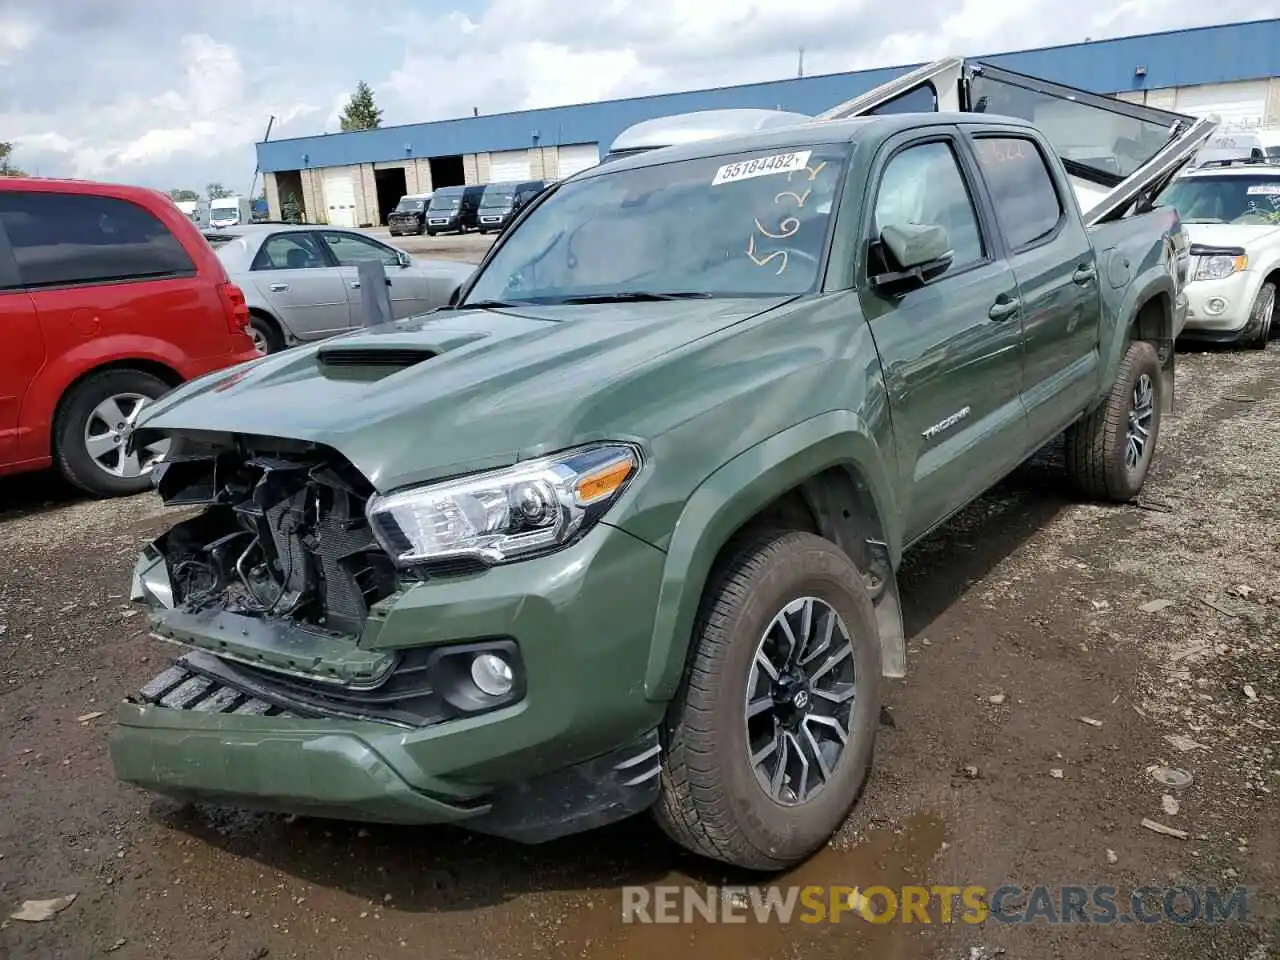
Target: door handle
[1084,274]
[1004,308]
[278,287]
[355,284]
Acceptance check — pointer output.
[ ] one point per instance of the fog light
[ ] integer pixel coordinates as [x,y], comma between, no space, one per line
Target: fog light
[1215,305]
[492,675]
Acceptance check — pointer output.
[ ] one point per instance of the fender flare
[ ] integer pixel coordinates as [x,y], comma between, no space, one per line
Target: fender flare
[51,384]
[1152,283]
[731,496]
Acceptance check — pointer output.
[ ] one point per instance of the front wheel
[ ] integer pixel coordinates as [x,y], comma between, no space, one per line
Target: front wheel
[93,431]
[768,742]
[1258,330]
[1109,451]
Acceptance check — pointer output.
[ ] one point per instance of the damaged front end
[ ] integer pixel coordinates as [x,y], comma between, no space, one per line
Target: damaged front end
[275,583]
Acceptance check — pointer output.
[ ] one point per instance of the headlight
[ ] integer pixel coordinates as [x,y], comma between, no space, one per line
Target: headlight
[504,515]
[1219,268]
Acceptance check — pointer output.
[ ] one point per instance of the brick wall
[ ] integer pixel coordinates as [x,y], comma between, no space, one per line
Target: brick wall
[366,196]
[484,168]
[272,190]
[1271,114]
[470,174]
[424,175]
[313,198]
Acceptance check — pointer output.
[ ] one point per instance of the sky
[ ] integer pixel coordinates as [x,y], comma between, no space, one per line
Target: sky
[171,94]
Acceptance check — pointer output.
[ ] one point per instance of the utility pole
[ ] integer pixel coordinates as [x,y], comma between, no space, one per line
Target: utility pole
[800,68]
[253,184]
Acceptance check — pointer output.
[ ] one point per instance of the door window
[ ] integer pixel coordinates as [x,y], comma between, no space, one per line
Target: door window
[1027,204]
[77,238]
[352,250]
[290,251]
[923,185]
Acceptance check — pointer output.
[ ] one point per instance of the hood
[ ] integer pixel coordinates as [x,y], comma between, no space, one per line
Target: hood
[451,391]
[1230,234]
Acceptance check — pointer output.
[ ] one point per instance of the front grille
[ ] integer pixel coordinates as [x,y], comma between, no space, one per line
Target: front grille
[203,683]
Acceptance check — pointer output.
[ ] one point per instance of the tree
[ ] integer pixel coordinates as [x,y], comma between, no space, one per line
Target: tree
[361,113]
[216,191]
[6,168]
[180,194]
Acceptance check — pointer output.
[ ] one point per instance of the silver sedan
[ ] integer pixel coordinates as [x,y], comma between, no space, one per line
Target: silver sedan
[302,281]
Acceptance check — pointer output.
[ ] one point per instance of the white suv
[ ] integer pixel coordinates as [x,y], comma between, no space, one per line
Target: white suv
[1231,213]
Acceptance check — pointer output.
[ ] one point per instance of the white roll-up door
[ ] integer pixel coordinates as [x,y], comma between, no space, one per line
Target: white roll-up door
[508,165]
[577,157]
[340,197]
[1240,104]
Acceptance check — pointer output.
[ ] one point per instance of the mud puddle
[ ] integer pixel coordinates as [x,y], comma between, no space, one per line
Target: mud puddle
[810,912]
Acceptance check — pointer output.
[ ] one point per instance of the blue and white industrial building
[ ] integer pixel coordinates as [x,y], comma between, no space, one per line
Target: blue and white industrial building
[1231,70]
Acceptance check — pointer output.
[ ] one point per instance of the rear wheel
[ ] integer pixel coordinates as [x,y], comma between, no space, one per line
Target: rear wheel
[265,334]
[1258,330]
[94,427]
[1110,450]
[769,739]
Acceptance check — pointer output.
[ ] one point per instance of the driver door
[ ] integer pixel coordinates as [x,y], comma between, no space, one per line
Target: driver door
[951,350]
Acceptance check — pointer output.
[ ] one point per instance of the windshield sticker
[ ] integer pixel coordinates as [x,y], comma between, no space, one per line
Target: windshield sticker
[761,167]
[1264,190]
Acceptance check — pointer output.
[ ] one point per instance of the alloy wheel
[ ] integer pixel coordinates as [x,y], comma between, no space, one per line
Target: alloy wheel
[1141,410]
[799,701]
[107,432]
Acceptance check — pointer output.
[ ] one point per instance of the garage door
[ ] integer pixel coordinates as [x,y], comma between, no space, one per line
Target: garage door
[577,157]
[1236,104]
[339,198]
[508,165]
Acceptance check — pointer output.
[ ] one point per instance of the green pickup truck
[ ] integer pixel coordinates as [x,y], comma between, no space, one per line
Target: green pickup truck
[617,530]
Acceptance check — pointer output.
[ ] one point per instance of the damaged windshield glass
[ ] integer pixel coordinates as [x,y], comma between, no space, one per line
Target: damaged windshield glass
[735,225]
[1241,200]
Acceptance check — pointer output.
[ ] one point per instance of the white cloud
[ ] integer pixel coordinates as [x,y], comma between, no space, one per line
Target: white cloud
[16,34]
[176,94]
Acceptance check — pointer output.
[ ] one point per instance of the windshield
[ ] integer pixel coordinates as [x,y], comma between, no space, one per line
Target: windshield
[409,206]
[447,202]
[497,198]
[736,225]
[1228,199]
[1102,144]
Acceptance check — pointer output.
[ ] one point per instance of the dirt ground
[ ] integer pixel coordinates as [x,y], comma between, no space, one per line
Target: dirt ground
[1024,615]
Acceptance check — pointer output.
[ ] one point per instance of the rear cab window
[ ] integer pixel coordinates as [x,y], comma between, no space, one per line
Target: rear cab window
[1027,204]
[61,239]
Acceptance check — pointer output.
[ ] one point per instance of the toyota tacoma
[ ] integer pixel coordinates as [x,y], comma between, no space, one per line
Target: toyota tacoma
[617,530]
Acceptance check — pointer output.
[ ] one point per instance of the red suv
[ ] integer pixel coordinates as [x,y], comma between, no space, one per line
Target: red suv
[109,297]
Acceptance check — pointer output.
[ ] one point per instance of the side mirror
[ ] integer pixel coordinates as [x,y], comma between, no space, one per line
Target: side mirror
[403,258]
[921,251]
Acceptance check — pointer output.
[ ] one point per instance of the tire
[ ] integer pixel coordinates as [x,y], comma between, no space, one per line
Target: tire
[80,419]
[1098,446]
[1257,331]
[711,800]
[431,233]
[265,334]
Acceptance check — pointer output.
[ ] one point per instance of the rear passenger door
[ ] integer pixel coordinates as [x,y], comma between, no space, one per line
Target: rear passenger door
[1053,261]
[305,288]
[951,350]
[410,291]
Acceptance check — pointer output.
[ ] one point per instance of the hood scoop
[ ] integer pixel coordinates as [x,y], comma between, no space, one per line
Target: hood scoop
[365,356]
[367,359]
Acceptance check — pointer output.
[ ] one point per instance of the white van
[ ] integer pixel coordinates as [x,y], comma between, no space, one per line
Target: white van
[1229,145]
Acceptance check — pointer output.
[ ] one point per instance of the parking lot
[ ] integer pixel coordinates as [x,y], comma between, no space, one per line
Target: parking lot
[1026,616]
